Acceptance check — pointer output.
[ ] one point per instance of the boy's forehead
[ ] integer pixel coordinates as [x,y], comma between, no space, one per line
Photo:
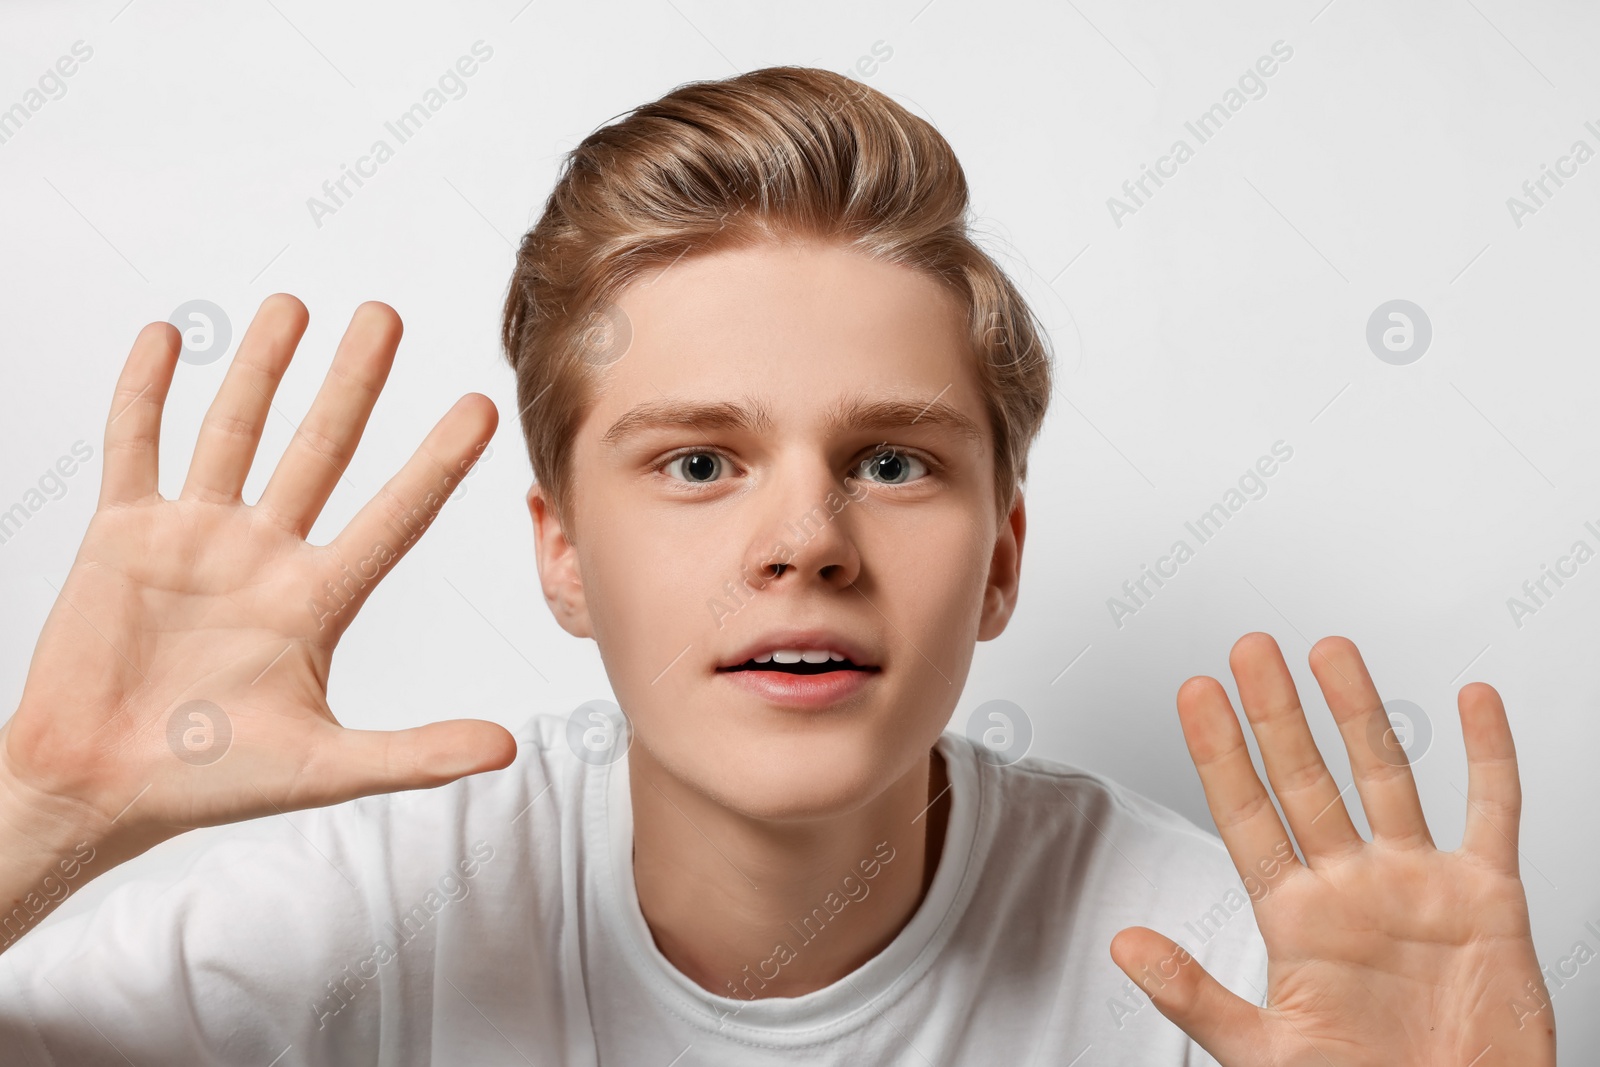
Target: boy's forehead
[801,286]
[789,331]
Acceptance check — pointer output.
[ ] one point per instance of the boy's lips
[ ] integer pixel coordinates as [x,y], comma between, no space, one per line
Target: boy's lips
[819,639]
[801,690]
[803,685]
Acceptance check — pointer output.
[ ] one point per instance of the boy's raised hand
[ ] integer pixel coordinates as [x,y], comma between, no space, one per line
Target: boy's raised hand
[1388,952]
[181,677]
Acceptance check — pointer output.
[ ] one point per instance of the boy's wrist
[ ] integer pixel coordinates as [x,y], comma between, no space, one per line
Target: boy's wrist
[42,833]
[48,850]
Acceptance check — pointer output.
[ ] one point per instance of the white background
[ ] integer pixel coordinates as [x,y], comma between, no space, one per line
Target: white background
[1228,313]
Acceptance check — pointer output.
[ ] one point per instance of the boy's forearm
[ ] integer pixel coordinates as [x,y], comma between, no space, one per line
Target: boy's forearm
[47,852]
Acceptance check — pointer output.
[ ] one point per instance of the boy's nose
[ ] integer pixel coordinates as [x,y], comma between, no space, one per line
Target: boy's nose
[806,532]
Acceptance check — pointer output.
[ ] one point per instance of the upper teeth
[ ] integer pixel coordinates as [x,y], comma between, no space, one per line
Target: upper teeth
[795,655]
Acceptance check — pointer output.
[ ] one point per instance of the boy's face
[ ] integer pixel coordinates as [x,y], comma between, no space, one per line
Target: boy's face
[676,525]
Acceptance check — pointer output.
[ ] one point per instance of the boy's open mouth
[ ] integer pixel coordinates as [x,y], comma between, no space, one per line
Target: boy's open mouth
[775,661]
[798,668]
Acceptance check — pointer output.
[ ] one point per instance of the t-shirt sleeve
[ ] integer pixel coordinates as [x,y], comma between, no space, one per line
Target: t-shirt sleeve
[1219,926]
[1170,875]
[238,960]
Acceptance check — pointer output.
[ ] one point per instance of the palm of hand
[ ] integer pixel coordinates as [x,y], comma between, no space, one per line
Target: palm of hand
[181,677]
[1391,958]
[1388,952]
[233,649]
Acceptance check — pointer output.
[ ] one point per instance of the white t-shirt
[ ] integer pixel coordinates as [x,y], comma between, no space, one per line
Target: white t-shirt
[495,921]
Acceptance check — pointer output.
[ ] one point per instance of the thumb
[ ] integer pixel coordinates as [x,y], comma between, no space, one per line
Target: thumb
[359,763]
[1226,1026]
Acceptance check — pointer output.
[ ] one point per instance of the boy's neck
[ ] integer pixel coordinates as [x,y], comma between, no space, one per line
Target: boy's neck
[750,909]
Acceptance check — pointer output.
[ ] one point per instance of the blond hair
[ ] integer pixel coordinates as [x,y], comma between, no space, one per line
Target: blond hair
[767,155]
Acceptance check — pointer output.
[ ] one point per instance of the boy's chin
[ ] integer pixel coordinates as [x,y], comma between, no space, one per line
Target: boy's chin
[800,779]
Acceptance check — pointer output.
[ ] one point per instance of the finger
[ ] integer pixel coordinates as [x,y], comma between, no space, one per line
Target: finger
[1300,779]
[326,439]
[1377,760]
[1228,1027]
[1249,824]
[133,427]
[233,422]
[359,763]
[390,523]
[1494,789]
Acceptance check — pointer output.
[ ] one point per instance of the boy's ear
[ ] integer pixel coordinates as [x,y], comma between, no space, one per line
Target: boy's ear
[557,559]
[1005,574]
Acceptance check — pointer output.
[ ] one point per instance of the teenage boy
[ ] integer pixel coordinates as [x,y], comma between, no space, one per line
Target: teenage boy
[778,406]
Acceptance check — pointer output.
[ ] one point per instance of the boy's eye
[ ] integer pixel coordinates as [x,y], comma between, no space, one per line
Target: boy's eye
[696,466]
[895,468]
[886,467]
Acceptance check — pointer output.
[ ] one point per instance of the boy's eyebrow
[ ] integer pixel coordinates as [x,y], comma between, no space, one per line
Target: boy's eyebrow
[754,417]
[721,415]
